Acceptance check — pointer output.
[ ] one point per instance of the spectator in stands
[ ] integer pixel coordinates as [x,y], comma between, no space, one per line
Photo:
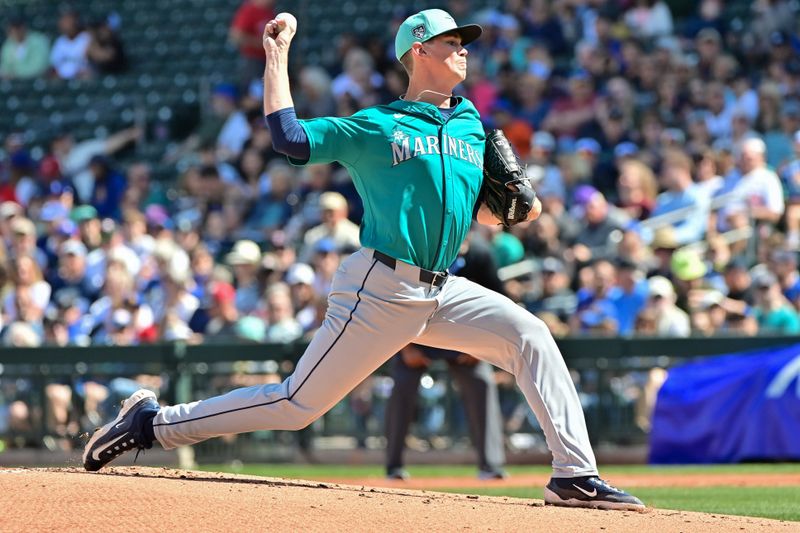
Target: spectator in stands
[222,313]
[772,311]
[105,51]
[26,277]
[89,226]
[670,320]
[636,188]
[71,274]
[20,186]
[759,188]
[112,248]
[720,114]
[597,313]
[541,169]
[283,327]
[246,32]
[517,131]
[142,191]
[629,295]
[707,178]
[108,187]
[784,264]
[172,301]
[325,261]
[359,85]
[244,259]
[555,297]
[335,226]
[300,278]
[68,55]
[25,53]
[58,228]
[593,241]
[23,241]
[574,110]
[688,266]
[112,314]
[681,194]
[314,99]
[73,159]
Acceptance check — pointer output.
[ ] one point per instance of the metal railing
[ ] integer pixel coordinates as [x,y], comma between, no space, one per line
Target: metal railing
[191,372]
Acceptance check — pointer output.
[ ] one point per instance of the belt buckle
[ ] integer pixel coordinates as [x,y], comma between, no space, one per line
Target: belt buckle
[437,276]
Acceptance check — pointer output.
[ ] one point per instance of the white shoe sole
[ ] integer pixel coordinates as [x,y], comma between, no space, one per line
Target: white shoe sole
[127,405]
[551,498]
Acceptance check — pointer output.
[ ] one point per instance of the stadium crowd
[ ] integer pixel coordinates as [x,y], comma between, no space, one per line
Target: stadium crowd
[666,152]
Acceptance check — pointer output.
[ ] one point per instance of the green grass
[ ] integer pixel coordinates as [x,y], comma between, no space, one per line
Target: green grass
[361,471]
[782,503]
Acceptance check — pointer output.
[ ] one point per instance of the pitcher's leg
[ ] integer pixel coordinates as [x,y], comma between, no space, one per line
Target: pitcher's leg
[482,407]
[360,331]
[482,323]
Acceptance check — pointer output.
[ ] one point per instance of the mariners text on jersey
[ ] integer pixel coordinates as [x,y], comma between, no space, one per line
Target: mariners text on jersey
[405,147]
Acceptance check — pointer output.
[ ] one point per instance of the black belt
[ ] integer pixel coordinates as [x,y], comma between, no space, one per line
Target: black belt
[436,279]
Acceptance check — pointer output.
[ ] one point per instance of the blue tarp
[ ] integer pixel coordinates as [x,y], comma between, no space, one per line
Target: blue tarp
[728,409]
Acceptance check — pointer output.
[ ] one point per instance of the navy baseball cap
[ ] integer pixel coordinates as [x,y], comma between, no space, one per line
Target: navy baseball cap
[426,25]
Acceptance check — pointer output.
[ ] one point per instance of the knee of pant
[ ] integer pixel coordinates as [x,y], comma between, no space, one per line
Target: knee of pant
[533,329]
[301,421]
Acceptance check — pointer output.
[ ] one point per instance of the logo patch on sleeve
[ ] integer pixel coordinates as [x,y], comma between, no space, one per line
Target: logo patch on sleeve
[418,31]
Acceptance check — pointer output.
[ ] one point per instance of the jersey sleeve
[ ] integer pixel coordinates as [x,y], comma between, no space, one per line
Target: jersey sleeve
[336,139]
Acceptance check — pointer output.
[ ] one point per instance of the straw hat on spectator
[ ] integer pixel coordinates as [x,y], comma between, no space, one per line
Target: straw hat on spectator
[665,238]
[244,253]
[9,209]
[23,226]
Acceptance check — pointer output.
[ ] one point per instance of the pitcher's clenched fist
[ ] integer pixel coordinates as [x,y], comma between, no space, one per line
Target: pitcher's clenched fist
[278,32]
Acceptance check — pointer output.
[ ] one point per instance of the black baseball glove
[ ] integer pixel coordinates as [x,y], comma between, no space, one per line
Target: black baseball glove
[506,189]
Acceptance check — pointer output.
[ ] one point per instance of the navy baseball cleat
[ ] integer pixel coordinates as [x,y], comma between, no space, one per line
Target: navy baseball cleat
[124,433]
[589,491]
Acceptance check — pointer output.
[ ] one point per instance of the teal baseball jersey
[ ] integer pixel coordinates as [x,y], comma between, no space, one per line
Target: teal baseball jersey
[418,175]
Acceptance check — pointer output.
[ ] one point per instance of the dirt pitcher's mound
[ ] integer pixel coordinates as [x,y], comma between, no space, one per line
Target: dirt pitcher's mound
[152,499]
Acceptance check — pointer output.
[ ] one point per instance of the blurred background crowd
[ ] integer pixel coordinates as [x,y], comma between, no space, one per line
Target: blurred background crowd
[663,139]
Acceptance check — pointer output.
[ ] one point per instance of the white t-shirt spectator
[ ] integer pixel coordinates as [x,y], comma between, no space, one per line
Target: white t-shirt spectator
[68,56]
[761,187]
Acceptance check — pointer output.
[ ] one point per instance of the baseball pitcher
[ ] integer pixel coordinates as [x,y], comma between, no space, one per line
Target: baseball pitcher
[424,167]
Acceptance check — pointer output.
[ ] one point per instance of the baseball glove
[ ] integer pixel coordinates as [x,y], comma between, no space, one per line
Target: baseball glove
[506,190]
